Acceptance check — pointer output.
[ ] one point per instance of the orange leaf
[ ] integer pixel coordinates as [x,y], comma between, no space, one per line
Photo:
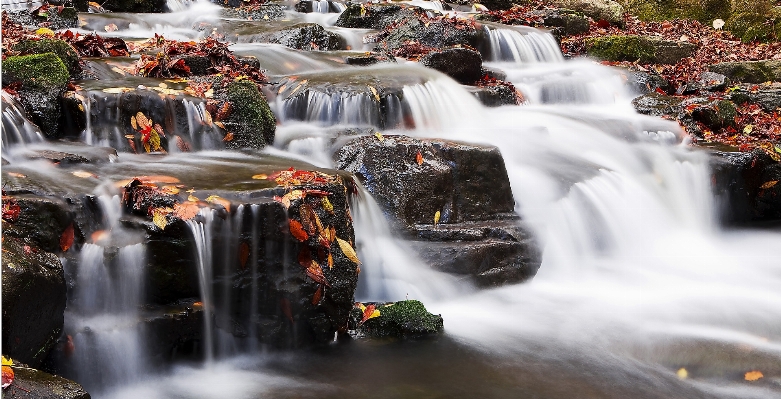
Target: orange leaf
[316,273]
[158,179]
[369,312]
[186,210]
[768,184]
[298,231]
[8,376]
[330,261]
[66,239]
[99,235]
[753,375]
[419,158]
[228,137]
[309,219]
[243,255]
[318,295]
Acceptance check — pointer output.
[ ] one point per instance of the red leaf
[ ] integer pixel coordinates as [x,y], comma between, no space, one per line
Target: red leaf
[603,24]
[316,273]
[8,376]
[305,257]
[11,210]
[66,239]
[298,231]
[318,295]
[243,255]
[367,313]
[419,158]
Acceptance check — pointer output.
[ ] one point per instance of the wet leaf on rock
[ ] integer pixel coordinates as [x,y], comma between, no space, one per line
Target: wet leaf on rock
[7,373]
[327,206]
[318,295]
[297,230]
[369,312]
[243,255]
[66,238]
[216,199]
[160,217]
[316,273]
[187,210]
[753,375]
[11,210]
[261,176]
[348,250]
[768,184]
[419,158]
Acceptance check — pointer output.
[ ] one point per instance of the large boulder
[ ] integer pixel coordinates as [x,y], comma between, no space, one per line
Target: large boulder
[304,36]
[461,64]
[33,300]
[644,49]
[607,10]
[35,384]
[768,97]
[41,79]
[63,50]
[750,71]
[747,185]
[404,319]
[141,6]
[42,220]
[251,121]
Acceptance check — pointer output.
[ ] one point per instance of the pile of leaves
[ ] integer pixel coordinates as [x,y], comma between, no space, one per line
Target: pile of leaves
[519,14]
[13,33]
[490,81]
[412,50]
[93,45]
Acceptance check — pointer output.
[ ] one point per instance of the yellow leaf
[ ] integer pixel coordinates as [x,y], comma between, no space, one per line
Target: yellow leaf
[374,92]
[361,306]
[192,198]
[133,122]
[142,120]
[44,32]
[748,129]
[207,118]
[83,174]
[379,136]
[436,218]
[7,361]
[219,125]
[753,375]
[116,90]
[159,217]
[170,189]
[327,205]
[374,314]
[216,199]
[768,184]
[261,176]
[18,175]
[209,93]
[682,373]
[348,250]
[154,141]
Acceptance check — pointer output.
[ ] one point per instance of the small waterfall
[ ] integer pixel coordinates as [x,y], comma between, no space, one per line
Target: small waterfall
[201,231]
[330,109]
[521,45]
[440,103]
[17,129]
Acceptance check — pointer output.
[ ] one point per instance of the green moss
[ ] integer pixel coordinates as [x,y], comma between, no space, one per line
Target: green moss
[403,319]
[62,49]
[251,122]
[751,26]
[704,11]
[39,71]
[621,48]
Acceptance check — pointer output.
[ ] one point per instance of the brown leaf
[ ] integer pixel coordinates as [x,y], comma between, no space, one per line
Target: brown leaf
[186,210]
[224,111]
[182,145]
[305,257]
[308,219]
[228,137]
[316,273]
[419,158]
[243,255]
[298,231]
[318,295]
[753,375]
[66,239]
[768,184]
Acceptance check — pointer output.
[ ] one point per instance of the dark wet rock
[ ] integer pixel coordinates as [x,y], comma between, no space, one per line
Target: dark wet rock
[494,96]
[708,81]
[35,384]
[607,10]
[251,121]
[491,253]
[447,178]
[462,64]
[768,97]
[749,71]
[307,6]
[41,220]
[497,4]
[645,49]
[21,17]
[63,158]
[33,300]
[744,188]
[173,331]
[304,36]
[656,104]
[42,79]
[63,50]
[367,59]
[139,6]
[404,319]
[715,114]
[646,82]
[263,12]
[563,22]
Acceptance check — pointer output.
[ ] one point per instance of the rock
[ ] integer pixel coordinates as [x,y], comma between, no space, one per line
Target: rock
[33,300]
[768,97]
[173,331]
[646,50]
[708,81]
[743,184]
[74,154]
[755,21]
[715,114]
[252,123]
[135,6]
[494,96]
[607,10]
[321,6]
[68,17]
[656,104]
[462,64]
[63,50]
[447,178]
[494,5]
[403,319]
[304,36]
[646,82]
[43,78]
[41,220]
[563,22]
[749,71]
[262,12]
[35,384]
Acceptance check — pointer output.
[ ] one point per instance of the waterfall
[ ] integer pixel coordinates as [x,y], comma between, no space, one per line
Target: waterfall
[521,45]
[201,231]
[17,129]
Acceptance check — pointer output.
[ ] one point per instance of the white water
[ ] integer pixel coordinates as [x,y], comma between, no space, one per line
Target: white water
[17,129]
[201,231]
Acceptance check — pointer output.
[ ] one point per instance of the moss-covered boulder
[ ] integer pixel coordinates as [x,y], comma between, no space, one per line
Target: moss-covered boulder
[150,6]
[33,300]
[750,71]
[646,50]
[715,114]
[42,79]
[252,123]
[704,11]
[755,20]
[403,319]
[32,383]
[65,51]
[305,36]
[607,10]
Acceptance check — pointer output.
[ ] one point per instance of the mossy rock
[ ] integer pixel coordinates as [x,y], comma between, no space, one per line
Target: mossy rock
[32,383]
[39,71]
[716,114]
[252,123]
[403,319]
[65,51]
[645,50]
[305,36]
[750,71]
[607,10]
[750,27]
[704,11]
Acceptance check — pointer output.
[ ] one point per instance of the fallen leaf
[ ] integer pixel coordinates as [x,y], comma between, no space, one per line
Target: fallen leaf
[419,158]
[216,199]
[753,375]
[44,32]
[11,210]
[297,230]
[374,92]
[308,219]
[436,218]
[110,27]
[133,123]
[192,198]
[207,118]
[158,179]
[228,137]
[159,217]
[7,376]
[682,373]
[316,273]
[142,120]
[330,261]
[318,295]
[219,125]
[187,210]
[327,205]
[261,176]
[748,129]
[379,136]
[768,184]
[369,312]
[14,174]
[173,190]
[83,174]
[99,235]
[348,250]
[66,238]
[243,255]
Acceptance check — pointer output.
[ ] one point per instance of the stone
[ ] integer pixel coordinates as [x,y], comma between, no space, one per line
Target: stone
[563,22]
[135,6]
[42,220]
[33,300]
[173,332]
[495,95]
[708,81]
[252,122]
[646,82]
[749,71]
[63,50]
[744,188]
[607,10]
[31,383]
[404,319]
[768,97]
[715,114]
[646,50]
[304,36]
[462,64]
[656,104]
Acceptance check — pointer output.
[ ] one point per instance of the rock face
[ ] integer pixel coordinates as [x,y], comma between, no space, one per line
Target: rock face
[35,384]
[768,97]
[305,36]
[148,6]
[647,50]
[414,180]
[607,10]
[63,50]
[403,319]
[750,71]
[461,64]
[33,300]
[748,186]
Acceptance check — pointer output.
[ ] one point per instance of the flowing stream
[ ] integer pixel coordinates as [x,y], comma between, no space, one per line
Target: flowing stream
[638,278]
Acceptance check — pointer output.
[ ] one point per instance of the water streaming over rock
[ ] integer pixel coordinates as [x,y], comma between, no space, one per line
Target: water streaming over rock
[17,129]
[201,231]
[521,45]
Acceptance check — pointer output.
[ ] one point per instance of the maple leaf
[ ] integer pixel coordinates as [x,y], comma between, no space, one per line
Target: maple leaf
[66,238]
[348,250]
[297,230]
[7,376]
[186,210]
[369,312]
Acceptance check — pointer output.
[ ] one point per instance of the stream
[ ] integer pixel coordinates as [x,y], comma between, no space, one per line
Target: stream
[639,278]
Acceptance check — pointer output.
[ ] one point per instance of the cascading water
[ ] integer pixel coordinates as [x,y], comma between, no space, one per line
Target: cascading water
[201,231]
[17,129]
[521,45]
